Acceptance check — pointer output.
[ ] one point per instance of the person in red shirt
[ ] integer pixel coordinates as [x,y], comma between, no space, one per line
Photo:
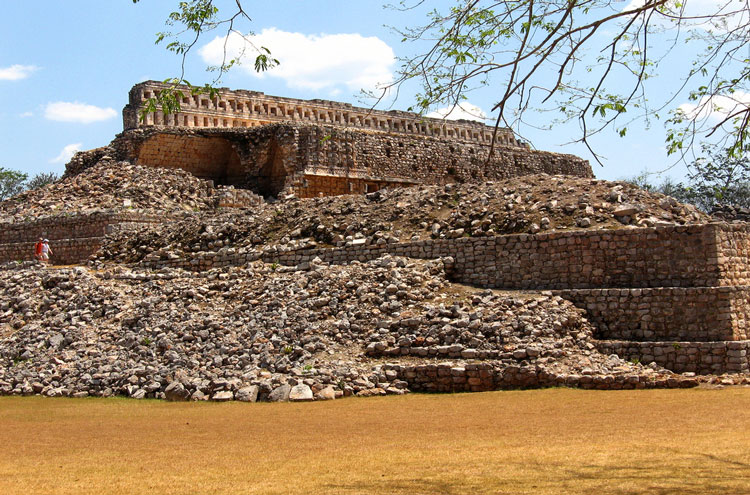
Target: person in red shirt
[38,250]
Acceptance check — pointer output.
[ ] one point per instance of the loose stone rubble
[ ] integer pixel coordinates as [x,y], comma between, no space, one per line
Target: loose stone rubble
[262,331]
[111,185]
[530,204]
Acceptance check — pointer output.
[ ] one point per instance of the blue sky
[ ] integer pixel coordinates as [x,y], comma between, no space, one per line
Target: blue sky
[66,68]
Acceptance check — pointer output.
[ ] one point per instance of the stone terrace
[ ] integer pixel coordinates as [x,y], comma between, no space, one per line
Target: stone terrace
[675,296]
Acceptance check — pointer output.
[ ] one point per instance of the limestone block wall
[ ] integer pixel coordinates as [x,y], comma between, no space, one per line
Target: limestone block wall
[658,294]
[425,160]
[64,251]
[649,257]
[65,226]
[698,314]
[681,357]
[659,257]
[480,377]
[315,160]
[310,185]
[211,158]
[675,256]
[73,239]
[733,254]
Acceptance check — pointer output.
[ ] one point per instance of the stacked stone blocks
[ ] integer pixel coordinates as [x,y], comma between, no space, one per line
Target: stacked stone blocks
[73,238]
[678,296]
[278,146]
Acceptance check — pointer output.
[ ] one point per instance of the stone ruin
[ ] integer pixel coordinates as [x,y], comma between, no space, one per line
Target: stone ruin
[676,296]
[278,146]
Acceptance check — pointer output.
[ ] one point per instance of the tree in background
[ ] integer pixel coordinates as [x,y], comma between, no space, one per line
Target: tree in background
[11,182]
[713,181]
[720,179]
[42,179]
[587,60]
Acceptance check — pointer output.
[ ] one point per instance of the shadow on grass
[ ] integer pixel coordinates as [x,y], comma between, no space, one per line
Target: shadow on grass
[684,474]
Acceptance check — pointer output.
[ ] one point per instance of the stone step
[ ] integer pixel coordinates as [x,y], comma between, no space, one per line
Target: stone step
[715,357]
[693,314]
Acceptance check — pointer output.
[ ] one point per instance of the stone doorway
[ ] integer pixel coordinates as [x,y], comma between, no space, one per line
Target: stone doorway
[271,178]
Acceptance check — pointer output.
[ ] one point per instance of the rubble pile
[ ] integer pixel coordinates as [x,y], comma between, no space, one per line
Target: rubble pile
[531,204]
[264,332]
[313,331]
[730,213]
[113,186]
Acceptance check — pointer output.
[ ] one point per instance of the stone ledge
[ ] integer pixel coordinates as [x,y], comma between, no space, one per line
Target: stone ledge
[704,358]
[697,314]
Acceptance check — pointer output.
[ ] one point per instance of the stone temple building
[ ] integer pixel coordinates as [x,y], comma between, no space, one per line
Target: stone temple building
[273,145]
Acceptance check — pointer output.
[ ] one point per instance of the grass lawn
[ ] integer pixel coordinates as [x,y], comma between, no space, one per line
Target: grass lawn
[544,441]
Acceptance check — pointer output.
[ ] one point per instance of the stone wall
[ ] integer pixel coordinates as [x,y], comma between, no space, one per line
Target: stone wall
[64,251]
[481,377]
[424,160]
[73,239]
[310,186]
[681,357]
[676,296]
[314,160]
[66,226]
[675,256]
[698,314]
[243,109]
[211,158]
[733,254]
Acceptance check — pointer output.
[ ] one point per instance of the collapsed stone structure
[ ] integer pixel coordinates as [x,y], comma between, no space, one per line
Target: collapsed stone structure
[276,146]
[672,295]
[675,296]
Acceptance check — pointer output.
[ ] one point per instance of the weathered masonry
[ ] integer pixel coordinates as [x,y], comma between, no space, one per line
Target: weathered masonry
[73,238]
[677,296]
[242,108]
[276,146]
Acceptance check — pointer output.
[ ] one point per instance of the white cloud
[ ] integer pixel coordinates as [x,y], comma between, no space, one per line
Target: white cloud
[26,114]
[77,112]
[465,111]
[16,72]
[716,108]
[312,62]
[67,153]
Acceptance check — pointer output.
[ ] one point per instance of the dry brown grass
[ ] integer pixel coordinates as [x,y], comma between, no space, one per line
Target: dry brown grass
[548,442]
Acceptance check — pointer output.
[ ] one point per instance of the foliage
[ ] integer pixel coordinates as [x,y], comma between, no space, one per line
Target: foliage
[11,182]
[42,179]
[537,54]
[192,19]
[713,180]
[587,60]
[720,178]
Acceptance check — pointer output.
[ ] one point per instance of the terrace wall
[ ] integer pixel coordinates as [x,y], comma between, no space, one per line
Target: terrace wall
[675,256]
[681,357]
[697,314]
[73,239]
